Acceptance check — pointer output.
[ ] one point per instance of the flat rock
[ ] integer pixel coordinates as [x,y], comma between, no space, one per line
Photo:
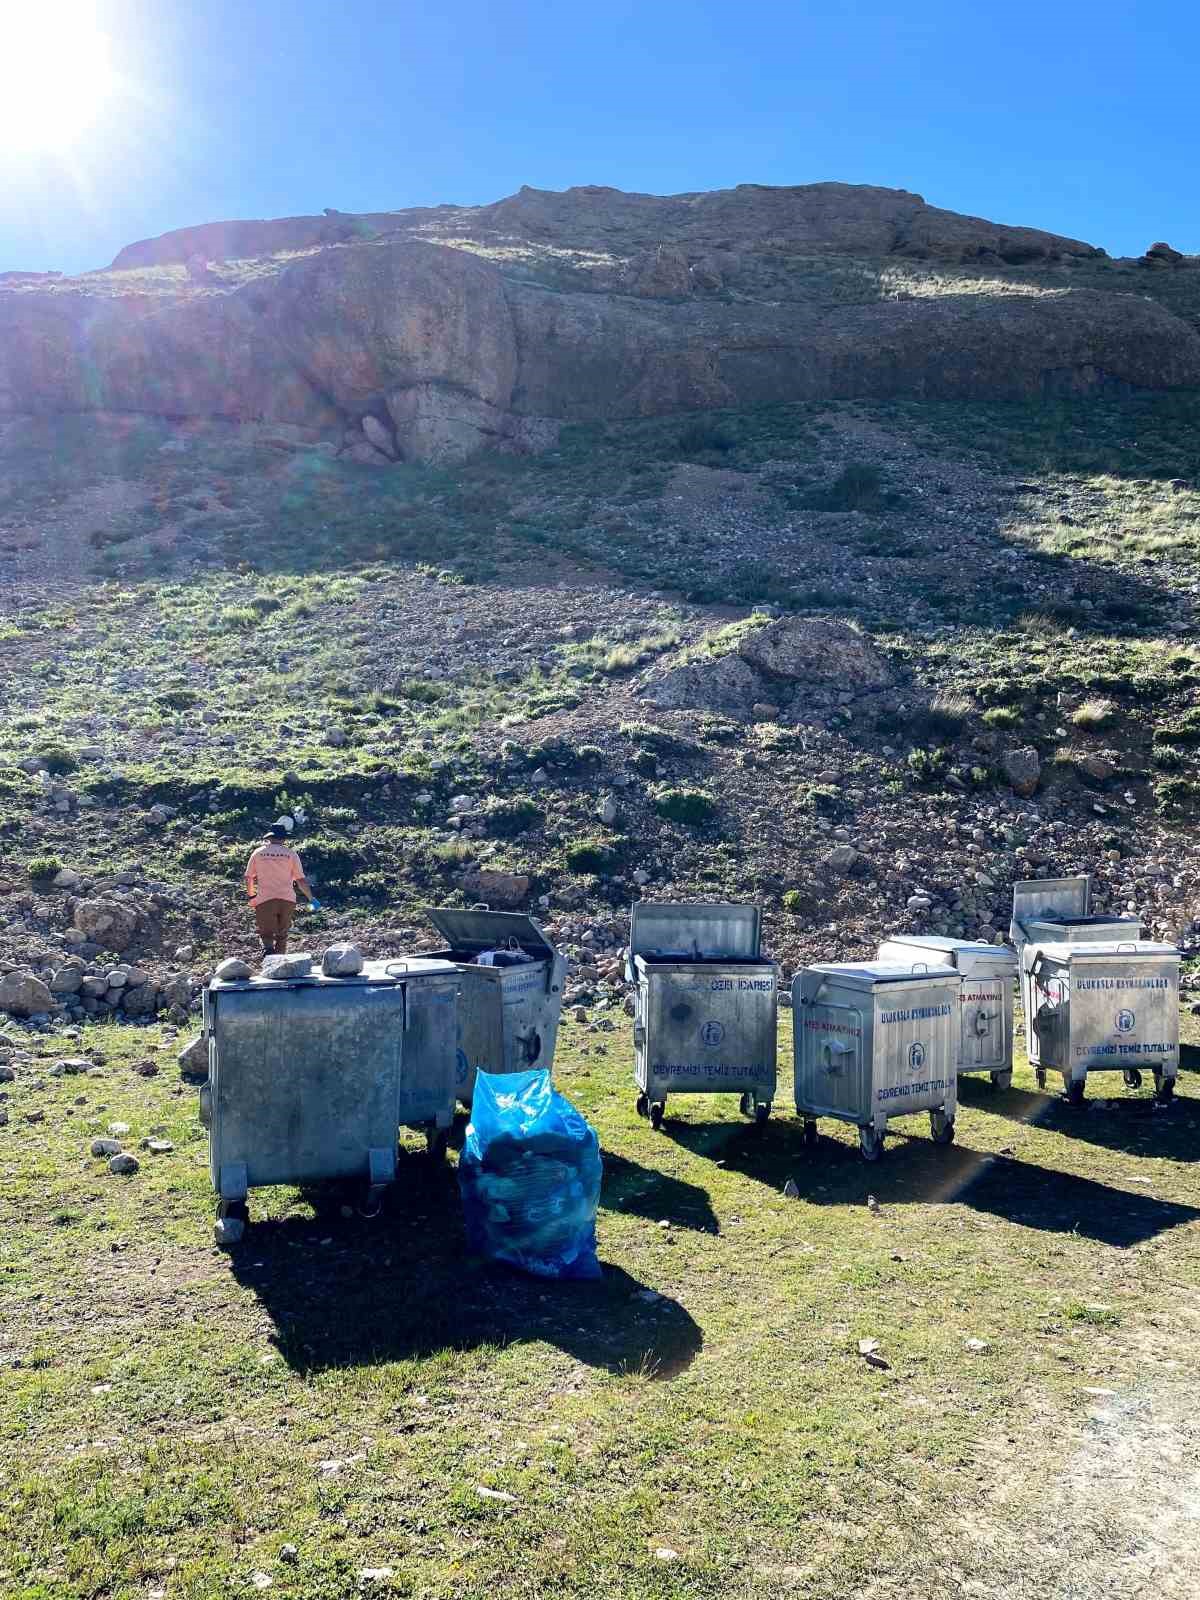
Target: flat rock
[232,970]
[124,1166]
[106,1147]
[298,965]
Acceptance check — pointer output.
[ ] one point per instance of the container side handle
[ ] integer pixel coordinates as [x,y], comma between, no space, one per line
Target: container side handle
[1127,945]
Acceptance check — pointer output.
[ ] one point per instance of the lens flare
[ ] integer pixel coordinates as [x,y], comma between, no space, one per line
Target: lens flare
[56,76]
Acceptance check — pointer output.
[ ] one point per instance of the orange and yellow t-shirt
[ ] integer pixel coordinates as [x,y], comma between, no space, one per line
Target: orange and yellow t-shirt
[272,871]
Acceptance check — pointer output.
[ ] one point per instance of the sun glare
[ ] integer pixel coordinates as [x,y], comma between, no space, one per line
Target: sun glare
[56,75]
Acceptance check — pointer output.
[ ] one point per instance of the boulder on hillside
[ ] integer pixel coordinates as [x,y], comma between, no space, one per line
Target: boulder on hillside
[107,921]
[1023,769]
[24,995]
[506,889]
[817,649]
[728,685]
[1160,254]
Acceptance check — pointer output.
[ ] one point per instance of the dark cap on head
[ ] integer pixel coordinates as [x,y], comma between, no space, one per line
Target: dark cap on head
[277,831]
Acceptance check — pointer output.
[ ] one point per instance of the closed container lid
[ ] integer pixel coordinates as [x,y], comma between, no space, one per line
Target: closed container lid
[966,954]
[475,931]
[1109,950]
[871,975]
[678,932]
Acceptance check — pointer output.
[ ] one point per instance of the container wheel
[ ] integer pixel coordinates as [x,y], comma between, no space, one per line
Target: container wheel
[1039,1074]
[1158,1080]
[436,1142]
[1132,1077]
[762,1110]
[941,1127]
[870,1145]
[1076,1091]
[371,1203]
[810,1133]
[1002,1080]
[1166,1093]
[657,1109]
[233,1210]
[746,1105]
[642,1105]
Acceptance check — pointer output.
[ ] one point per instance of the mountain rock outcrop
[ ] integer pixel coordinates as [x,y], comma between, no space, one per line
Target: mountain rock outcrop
[429,334]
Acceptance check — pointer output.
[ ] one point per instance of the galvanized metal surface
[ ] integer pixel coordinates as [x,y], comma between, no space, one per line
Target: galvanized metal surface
[989,974]
[1060,910]
[706,1028]
[429,1072]
[1104,1006]
[875,1040]
[712,932]
[304,1081]
[508,1017]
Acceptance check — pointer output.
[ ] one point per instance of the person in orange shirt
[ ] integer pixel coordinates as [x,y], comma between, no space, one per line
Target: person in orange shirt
[273,874]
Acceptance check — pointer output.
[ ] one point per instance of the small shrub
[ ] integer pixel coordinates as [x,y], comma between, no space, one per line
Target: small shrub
[177,699]
[196,855]
[589,855]
[1093,714]
[518,815]
[237,619]
[1001,717]
[820,798]
[691,806]
[703,438]
[643,761]
[652,738]
[421,691]
[928,767]
[858,487]
[793,901]
[43,867]
[58,759]
[1095,1316]
[1184,732]
[264,604]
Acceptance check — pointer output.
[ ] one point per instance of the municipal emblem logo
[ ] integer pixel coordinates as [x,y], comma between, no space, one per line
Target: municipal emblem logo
[916,1056]
[1126,1021]
[711,1034]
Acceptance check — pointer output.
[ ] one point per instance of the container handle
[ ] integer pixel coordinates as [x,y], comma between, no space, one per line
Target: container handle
[1128,944]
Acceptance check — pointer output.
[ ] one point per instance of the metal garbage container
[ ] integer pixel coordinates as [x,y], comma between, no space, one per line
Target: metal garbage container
[706,1006]
[1102,1007]
[1059,911]
[875,1040]
[306,1076]
[985,1000]
[511,981]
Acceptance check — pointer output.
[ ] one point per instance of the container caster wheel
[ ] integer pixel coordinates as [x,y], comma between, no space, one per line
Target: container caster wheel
[1165,1095]
[746,1105]
[233,1211]
[1132,1077]
[810,1134]
[870,1144]
[1002,1081]
[762,1110]
[1039,1075]
[941,1128]
[642,1105]
[1075,1093]
[657,1111]
[437,1141]
[372,1201]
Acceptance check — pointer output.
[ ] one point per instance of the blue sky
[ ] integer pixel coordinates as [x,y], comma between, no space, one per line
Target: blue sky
[1073,117]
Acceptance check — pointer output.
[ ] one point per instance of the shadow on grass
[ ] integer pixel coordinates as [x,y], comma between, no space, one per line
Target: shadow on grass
[643,1192]
[349,1292]
[915,1171]
[1112,1116]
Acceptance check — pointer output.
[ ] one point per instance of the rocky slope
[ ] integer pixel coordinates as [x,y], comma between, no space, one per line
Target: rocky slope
[428,335]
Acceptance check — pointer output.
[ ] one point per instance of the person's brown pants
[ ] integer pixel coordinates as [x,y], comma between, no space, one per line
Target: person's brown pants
[273,918]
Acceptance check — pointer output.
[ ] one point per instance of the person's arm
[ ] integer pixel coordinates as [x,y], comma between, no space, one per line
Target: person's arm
[251,879]
[299,879]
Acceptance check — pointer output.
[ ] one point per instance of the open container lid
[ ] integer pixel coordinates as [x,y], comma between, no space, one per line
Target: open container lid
[475,931]
[971,947]
[715,932]
[1036,898]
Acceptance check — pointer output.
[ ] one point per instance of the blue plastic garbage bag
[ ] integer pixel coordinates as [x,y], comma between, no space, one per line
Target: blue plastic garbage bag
[530,1174]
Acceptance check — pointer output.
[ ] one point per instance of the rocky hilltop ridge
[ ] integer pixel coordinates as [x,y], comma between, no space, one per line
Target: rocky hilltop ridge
[429,334]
